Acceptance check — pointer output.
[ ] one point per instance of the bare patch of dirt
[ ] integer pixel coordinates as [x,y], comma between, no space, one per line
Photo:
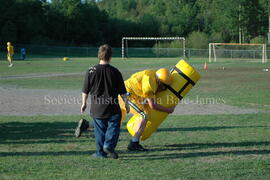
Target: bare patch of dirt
[29,102]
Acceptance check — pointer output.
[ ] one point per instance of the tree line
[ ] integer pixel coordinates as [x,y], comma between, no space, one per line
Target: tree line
[93,22]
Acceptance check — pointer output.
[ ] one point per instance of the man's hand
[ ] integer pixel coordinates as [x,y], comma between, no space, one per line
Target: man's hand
[153,105]
[84,102]
[83,107]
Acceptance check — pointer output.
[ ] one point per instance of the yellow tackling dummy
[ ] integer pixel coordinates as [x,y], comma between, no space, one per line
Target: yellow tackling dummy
[184,78]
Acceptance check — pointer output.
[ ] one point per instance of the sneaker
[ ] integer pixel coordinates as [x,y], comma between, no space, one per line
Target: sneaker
[135,146]
[111,153]
[11,65]
[82,126]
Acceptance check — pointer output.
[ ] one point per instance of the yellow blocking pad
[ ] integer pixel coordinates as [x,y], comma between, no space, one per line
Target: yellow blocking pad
[184,78]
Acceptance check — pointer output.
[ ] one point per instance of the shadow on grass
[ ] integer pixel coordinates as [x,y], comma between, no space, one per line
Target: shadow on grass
[39,132]
[42,133]
[38,141]
[209,145]
[195,154]
[62,132]
[47,153]
[127,155]
[178,147]
[205,128]
[142,155]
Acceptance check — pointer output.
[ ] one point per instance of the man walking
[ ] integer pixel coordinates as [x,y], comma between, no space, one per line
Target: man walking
[104,83]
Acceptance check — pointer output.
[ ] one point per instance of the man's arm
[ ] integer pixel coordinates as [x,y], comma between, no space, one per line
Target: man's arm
[154,105]
[85,91]
[124,97]
[84,102]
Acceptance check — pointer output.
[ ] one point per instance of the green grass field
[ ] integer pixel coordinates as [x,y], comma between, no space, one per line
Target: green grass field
[184,147]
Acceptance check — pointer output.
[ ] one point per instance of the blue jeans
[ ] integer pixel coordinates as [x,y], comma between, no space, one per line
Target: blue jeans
[106,133]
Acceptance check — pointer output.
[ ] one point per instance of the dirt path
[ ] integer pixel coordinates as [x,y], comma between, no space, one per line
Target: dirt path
[29,102]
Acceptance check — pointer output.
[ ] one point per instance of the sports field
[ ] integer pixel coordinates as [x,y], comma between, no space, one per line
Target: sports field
[219,131]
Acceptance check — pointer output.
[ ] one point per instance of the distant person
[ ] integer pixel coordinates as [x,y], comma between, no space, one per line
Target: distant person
[23,53]
[10,53]
[104,83]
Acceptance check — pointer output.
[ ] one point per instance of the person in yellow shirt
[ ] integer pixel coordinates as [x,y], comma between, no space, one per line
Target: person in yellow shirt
[142,88]
[10,54]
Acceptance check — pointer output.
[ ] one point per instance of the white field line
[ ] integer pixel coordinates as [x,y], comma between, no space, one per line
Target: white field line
[30,76]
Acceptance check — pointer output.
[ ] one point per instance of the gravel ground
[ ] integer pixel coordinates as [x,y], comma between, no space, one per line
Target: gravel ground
[29,102]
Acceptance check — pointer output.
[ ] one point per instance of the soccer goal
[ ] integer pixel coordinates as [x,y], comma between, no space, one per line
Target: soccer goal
[243,51]
[125,48]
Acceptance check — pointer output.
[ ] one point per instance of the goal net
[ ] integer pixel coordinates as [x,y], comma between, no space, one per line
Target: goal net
[237,51]
[157,51]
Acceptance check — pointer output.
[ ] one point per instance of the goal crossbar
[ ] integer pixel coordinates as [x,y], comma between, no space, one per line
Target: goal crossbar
[236,44]
[212,45]
[124,39]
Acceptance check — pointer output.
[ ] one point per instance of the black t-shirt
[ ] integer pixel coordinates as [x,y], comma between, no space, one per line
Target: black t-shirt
[104,83]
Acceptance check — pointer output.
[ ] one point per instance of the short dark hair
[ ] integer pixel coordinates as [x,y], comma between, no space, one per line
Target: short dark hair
[105,52]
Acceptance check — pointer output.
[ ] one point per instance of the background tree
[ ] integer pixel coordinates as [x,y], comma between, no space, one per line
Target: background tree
[90,22]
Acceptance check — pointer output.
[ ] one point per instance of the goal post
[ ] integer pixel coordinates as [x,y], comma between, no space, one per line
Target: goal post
[213,53]
[126,39]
